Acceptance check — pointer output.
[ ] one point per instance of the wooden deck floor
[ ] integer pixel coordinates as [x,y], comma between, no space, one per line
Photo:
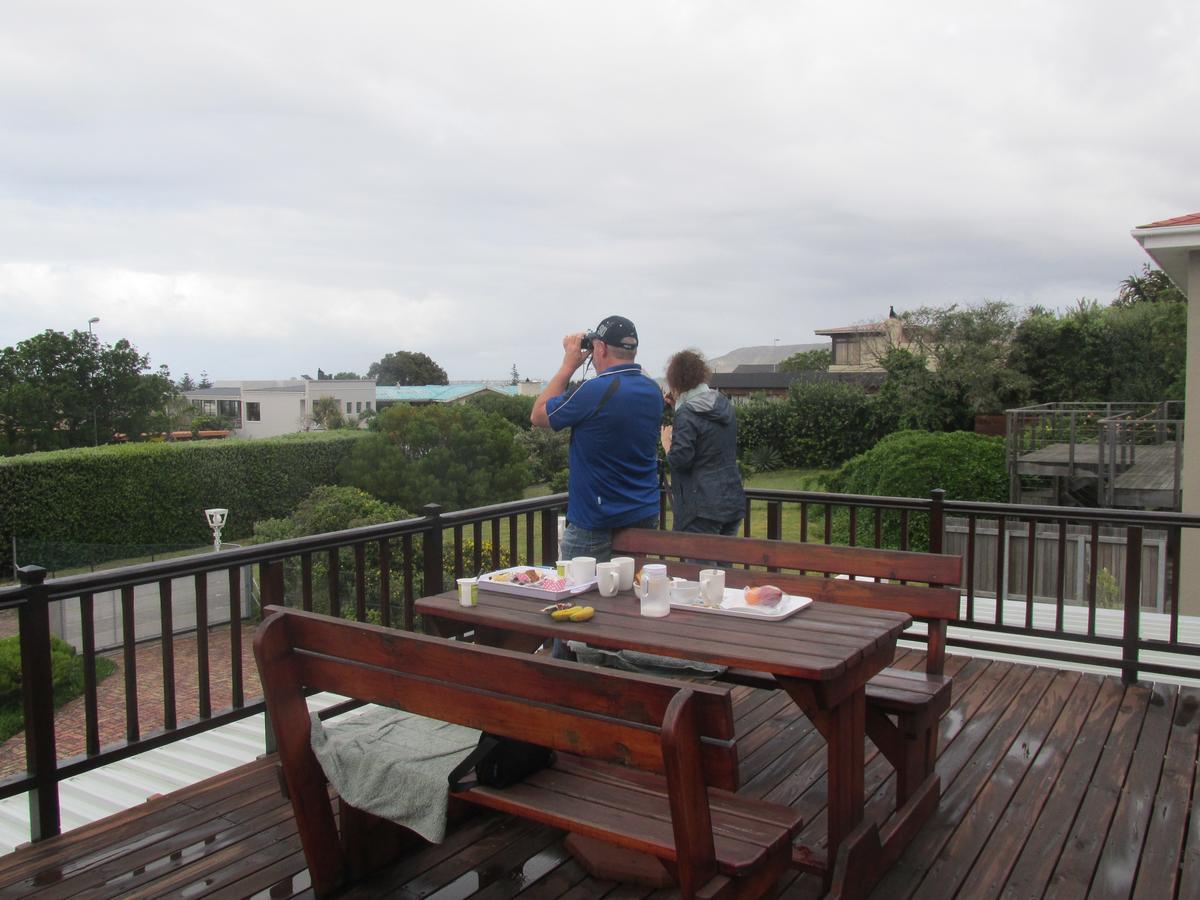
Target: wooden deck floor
[1055,784]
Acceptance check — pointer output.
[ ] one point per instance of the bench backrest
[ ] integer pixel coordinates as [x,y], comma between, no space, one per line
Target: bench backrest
[934,597]
[601,714]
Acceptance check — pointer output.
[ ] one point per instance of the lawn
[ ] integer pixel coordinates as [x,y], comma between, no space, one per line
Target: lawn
[779,480]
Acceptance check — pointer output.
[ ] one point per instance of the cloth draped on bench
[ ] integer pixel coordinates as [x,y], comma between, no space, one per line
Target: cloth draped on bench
[393,764]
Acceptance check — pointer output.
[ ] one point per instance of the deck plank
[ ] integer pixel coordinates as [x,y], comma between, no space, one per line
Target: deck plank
[1054,783]
[1159,867]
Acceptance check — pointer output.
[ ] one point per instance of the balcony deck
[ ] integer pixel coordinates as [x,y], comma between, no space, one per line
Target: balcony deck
[1054,783]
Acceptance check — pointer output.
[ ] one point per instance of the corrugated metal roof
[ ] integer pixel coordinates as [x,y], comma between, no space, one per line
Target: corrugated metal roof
[122,785]
[438,393]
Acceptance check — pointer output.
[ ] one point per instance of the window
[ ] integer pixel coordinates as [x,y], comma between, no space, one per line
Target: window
[229,409]
[348,407]
[847,350]
[254,412]
[368,405]
[358,406]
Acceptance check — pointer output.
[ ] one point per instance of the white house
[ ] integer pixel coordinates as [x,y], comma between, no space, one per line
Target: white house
[269,408]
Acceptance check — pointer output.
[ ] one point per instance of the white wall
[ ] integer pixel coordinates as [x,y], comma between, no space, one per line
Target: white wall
[1189,581]
[280,412]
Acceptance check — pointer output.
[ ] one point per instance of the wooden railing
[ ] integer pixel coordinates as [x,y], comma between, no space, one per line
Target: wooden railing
[376,572]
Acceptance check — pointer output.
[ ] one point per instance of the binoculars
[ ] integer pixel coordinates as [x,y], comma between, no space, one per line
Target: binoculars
[585,342]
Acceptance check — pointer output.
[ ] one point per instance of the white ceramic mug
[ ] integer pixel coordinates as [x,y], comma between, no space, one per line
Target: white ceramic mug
[654,590]
[582,569]
[608,578]
[712,587]
[468,592]
[625,564]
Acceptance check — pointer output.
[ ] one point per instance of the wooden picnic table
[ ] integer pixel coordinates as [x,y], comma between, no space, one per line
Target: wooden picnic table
[822,656]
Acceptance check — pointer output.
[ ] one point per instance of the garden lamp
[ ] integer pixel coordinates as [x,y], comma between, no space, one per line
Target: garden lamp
[216,521]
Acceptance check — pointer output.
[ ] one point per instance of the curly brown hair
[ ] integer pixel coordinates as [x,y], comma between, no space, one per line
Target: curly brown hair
[685,370]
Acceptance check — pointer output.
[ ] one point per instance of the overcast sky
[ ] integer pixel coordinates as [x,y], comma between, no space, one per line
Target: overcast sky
[258,189]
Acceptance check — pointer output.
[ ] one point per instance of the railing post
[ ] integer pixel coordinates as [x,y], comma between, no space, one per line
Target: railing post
[774,520]
[431,550]
[549,536]
[1132,598]
[270,577]
[37,677]
[937,520]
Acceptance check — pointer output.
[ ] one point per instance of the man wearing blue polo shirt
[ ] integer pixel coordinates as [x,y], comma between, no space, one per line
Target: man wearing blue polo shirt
[614,420]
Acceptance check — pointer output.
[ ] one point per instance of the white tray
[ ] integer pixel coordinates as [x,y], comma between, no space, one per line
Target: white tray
[735,604]
[524,590]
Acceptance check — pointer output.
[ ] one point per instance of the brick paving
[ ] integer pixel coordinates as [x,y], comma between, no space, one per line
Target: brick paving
[69,720]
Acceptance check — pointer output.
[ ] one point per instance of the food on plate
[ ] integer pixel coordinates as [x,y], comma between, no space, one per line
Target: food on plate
[552,583]
[527,576]
[502,577]
[581,614]
[765,595]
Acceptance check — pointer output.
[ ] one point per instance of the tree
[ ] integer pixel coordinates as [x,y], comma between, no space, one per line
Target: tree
[515,409]
[456,455]
[807,361]
[404,368]
[205,381]
[347,376]
[59,390]
[1152,286]
[327,413]
[1094,353]
[516,377]
[967,350]
[185,383]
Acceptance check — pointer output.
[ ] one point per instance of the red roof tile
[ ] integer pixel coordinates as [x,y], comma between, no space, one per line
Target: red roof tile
[1193,219]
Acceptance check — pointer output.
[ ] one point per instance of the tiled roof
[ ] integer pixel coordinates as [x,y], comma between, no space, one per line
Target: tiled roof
[867,328]
[1192,219]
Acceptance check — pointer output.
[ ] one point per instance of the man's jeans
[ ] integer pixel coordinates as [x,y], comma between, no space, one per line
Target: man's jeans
[590,542]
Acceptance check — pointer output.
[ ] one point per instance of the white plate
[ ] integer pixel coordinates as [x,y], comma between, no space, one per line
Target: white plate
[525,590]
[735,604]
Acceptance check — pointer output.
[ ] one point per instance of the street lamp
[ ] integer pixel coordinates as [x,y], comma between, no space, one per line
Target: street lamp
[95,422]
[216,521]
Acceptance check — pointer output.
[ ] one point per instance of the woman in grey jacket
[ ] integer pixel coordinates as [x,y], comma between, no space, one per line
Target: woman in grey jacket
[701,448]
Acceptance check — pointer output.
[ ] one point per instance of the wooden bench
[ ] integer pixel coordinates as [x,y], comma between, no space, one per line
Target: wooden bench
[903,707]
[647,764]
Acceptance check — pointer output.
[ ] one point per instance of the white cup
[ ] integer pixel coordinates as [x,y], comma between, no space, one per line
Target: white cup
[712,587]
[608,578]
[625,565]
[655,590]
[582,569]
[468,592]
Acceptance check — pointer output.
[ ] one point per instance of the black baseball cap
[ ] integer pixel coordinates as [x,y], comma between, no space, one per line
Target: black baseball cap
[616,331]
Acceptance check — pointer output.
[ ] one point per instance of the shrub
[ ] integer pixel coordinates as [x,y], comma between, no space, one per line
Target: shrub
[128,498]
[514,409]
[967,466]
[67,674]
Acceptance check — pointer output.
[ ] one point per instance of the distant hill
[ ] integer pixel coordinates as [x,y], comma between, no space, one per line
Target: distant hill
[768,355]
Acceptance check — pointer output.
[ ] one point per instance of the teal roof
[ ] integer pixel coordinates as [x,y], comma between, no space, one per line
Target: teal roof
[438,393]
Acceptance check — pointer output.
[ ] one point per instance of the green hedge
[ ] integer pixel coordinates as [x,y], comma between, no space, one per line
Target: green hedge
[820,425]
[127,498]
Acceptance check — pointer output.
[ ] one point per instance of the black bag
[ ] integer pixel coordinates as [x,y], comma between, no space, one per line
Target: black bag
[501,761]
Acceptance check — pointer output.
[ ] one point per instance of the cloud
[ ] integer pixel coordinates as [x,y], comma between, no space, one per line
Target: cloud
[264,189]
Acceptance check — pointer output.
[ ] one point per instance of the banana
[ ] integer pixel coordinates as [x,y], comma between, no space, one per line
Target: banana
[561,615]
[582,614]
